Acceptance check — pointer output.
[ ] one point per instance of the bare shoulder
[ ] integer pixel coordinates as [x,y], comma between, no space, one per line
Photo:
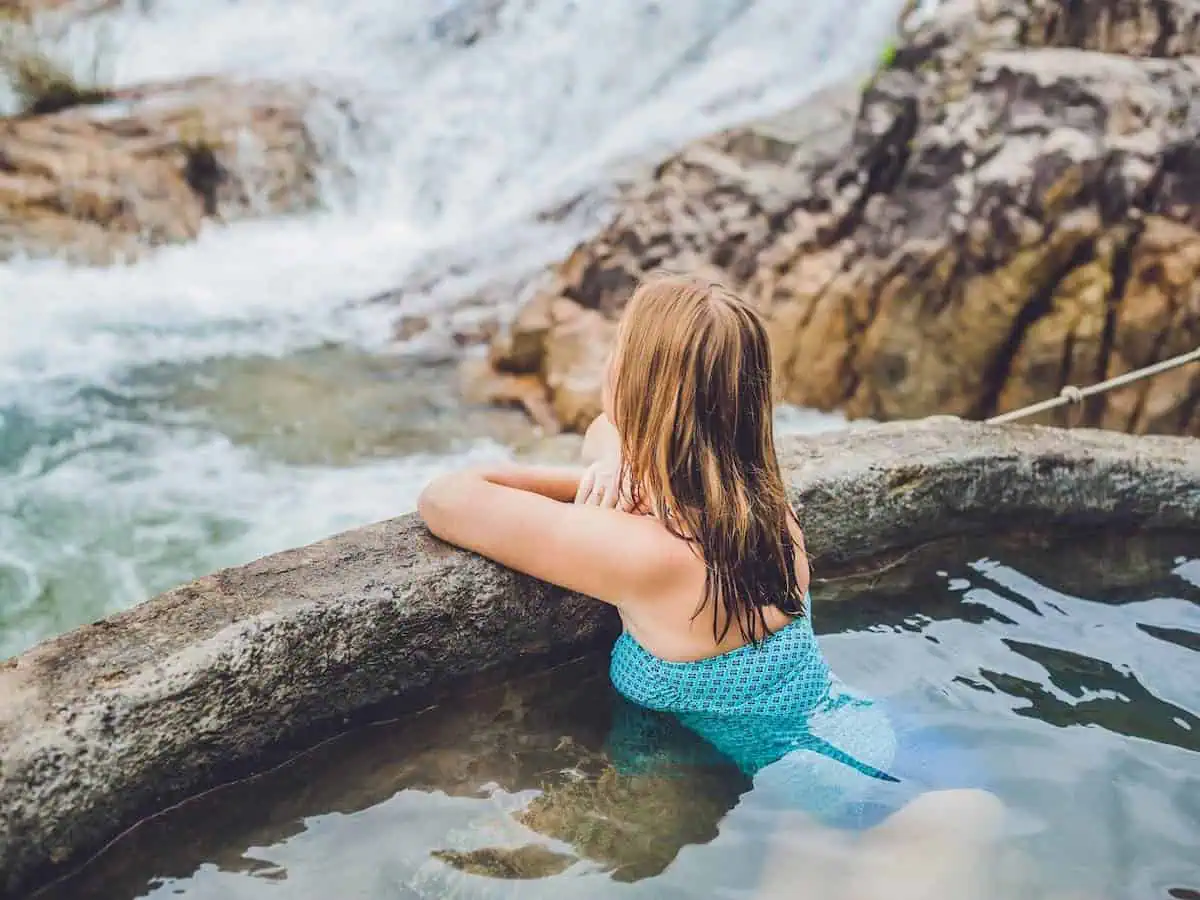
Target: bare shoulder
[652,558]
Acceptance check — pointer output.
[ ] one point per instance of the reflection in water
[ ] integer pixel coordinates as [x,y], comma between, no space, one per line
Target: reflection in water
[1067,669]
[1097,694]
[529,758]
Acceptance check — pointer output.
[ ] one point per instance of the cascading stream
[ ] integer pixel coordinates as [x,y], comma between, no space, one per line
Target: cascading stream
[148,413]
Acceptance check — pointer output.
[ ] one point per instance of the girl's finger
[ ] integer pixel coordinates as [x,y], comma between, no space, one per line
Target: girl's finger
[612,499]
[611,495]
[585,486]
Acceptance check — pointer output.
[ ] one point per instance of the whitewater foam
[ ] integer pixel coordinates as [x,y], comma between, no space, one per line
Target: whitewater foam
[461,122]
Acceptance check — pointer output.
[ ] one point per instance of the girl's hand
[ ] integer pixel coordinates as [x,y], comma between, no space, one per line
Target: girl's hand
[602,485]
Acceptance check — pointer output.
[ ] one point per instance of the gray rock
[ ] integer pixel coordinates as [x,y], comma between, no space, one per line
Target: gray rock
[115,721]
[867,491]
[1008,208]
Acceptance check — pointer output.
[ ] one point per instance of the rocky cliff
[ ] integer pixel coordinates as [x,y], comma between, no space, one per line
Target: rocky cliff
[1010,208]
[93,174]
[102,183]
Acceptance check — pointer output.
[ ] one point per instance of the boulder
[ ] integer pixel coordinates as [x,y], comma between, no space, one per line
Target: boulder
[142,167]
[694,212]
[1035,231]
[1011,210]
[120,719]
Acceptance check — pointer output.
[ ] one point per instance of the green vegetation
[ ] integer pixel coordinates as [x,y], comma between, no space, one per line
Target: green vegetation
[887,58]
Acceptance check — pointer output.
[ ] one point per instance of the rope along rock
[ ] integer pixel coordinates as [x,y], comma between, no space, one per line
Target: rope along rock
[1075,395]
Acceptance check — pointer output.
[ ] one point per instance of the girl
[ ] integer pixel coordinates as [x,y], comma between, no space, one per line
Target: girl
[681,522]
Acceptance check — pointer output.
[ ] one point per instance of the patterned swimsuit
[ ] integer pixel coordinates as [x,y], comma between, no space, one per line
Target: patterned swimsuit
[777,713]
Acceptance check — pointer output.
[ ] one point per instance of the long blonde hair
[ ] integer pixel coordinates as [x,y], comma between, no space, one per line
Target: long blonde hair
[692,402]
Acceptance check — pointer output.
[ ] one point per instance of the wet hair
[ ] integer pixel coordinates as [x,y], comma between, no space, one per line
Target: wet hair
[692,400]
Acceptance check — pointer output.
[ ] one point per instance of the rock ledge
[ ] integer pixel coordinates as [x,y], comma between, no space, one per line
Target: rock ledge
[115,721]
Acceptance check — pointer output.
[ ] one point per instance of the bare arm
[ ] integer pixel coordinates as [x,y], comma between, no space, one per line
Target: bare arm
[556,482]
[521,517]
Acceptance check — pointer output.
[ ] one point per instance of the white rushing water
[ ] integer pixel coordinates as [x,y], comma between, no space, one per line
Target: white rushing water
[113,484]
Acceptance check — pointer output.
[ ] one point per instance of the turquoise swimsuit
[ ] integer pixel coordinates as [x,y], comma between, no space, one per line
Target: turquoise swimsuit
[776,712]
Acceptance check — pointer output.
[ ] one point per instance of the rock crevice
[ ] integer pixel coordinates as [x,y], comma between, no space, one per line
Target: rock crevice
[1009,209]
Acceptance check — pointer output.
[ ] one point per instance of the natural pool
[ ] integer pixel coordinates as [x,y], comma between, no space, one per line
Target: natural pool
[1066,666]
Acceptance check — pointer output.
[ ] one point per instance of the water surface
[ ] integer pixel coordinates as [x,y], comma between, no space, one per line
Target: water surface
[1065,670]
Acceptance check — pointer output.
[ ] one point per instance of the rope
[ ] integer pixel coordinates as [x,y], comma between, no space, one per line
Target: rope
[1075,395]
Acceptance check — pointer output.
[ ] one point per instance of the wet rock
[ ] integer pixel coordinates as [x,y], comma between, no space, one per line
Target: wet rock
[518,735]
[467,22]
[983,250]
[548,448]
[1011,210]
[518,863]
[693,214]
[1107,567]
[474,330]
[25,10]
[635,823]
[337,406]
[446,305]
[102,183]
[460,322]
[480,384]
[114,721]
[408,327]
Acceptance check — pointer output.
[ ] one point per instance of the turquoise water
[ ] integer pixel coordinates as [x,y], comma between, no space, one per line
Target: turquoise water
[1064,671]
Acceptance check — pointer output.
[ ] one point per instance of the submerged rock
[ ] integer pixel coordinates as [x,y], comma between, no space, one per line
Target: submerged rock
[465,24]
[1013,210]
[103,182]
[115,721]
[518,863]
[337,406]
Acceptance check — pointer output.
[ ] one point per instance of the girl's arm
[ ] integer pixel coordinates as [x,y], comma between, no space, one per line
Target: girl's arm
[522,517]
[556,482]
